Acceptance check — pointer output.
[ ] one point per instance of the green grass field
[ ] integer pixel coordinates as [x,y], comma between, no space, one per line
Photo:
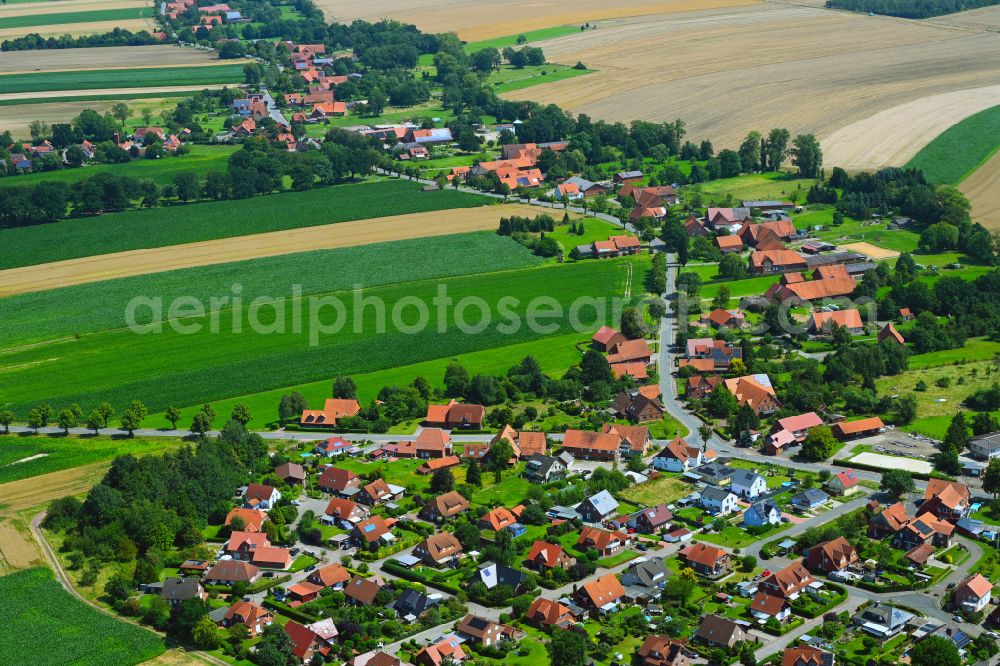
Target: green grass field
[122,78]
[975,349]
[201,159]
[772,185]
[158,227]
[555,354]
[58,453]
[960,149]
[755,286]
[509,79]
[531,36]
[32,20]
[39,616]
[99,306]
[226,358]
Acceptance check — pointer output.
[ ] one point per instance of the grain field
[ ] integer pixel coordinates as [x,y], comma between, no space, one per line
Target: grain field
[103,57]
[76,29]
[983,190]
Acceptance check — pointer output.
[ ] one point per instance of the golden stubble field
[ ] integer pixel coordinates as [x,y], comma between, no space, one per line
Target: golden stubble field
[983,190]
[17,117]
[323,237]
[728,71]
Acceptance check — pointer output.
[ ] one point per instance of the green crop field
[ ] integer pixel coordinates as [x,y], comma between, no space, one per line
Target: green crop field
[40,618]
[98,306]
[531,36]
[226,358]
[32,20]
[960,149]
[58,453]
[509,79]
[122,78]
[555,354]
[158,227]
[201,159]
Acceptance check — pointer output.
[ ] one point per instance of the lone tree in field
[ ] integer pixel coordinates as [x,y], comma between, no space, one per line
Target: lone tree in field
[132,417]
[6,418]
[173,415]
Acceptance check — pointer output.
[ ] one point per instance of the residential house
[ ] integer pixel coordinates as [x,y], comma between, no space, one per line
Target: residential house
[601,595]
[362,591]
[719,501]
[291,473]
[663,651]
[888,522]
[715,473]
[765,606]
[919,555]
[524,443]
[372,533]
[379,492]
[492,574]
[948,500]
[542,469]
[905,314]
[761,513]
[720,352]
[598,507]
[333,409]
[455,415]
[793,429]
[331,575]
[890,333]
[706,560]
[652,519]
[444,506]
[925,528]
[176,590]
[882,620]
[333,446]
[305,642]
[824,323]
[544,555]
[843,483]
[646,572]
[429,443]
[375,658]
[438,549]
[699,387]
[972,594]
[727,244]
[260,496]
[718,218]
[835,555]
[548,613]
[230,572]
[637,371]
[411,604]
[623,177]
[588,445]
[770,262]
[252,520]
[718,631]
[337,481]
[631,351]
[636,406]
[789,582]
[497,519]
[479,630]
[720,318]
[434,464]
[809,499]
[805,655]
[272,557]
[586,187]
[755,391]
[677,456]
[250,615]
[605,542]
[605,338]
[240,545]
[635,439]
[748,484]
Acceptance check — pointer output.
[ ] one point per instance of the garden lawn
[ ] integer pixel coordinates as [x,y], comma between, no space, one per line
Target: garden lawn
[37,614]
[664,489]
[122,78]
[201,159]
[755,286]
[31,20]
[170,225]
[58,453]
[960,149]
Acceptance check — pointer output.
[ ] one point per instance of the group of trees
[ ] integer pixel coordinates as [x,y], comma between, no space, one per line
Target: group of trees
[914,9]
[115,37]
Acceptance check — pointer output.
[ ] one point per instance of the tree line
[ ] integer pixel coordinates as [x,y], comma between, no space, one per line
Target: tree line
[914,9]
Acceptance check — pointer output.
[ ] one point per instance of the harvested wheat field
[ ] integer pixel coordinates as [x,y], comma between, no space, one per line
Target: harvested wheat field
[323,237]
[104,57]
[76,29]
[871,251]
[728,71]
[39,490]
[877,141]
[983,190]
[475,20]
[17,117]
[16,550]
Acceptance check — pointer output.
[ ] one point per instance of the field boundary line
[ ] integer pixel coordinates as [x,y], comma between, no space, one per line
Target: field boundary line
[36,531]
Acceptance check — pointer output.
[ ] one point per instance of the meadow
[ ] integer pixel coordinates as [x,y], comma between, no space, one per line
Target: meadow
[170,225]
[122,78]
[770,185]
[201,159]
[223,358]
[555,354]
[59,453]
[961,149]
[98,306]
[31,20]
[38,615]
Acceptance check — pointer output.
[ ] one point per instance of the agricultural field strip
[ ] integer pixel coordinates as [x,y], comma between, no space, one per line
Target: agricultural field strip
[160,227]
[958,151]
[812,72]
[32,20]
[122,78]
[100,306]
[172,368]
[18,459]
[341,234]
[85,28]
[983,190]
[104,57]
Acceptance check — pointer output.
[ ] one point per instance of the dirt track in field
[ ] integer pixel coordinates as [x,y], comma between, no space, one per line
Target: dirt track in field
[728,71]
[104,57]
[878,141]
[983,190]
[92,28]
[329,236]
[475,20]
